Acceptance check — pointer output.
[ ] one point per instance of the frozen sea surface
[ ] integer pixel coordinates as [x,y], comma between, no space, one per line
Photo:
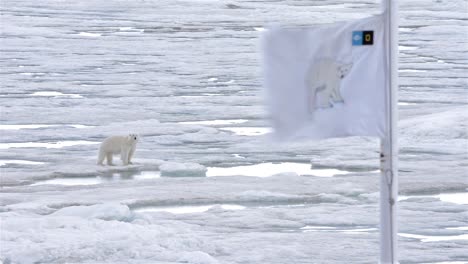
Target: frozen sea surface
[185,75]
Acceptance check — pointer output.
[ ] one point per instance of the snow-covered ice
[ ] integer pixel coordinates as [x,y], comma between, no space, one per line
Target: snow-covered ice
[182,169]
[207,185]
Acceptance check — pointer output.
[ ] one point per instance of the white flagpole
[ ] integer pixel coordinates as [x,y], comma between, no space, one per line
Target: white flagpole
[389,145]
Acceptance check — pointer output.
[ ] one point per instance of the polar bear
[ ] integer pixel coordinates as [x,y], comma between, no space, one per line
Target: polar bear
[125,145]
[323,83]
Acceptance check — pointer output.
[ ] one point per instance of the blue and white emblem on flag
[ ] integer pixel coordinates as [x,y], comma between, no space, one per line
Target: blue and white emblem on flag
[357,38]
[363,38]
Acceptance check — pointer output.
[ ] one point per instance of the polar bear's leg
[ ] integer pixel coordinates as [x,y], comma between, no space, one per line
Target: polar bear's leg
[109,159]
[322,96]
[130,154]
[336,95]
[101,157]
[311,100]
[314,97]
[124,153]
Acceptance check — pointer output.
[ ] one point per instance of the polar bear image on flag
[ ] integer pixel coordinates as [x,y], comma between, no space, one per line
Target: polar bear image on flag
[327,80]
[324,81]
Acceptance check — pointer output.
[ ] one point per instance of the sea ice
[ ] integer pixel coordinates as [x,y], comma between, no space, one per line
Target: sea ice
[174,169]
[81,71]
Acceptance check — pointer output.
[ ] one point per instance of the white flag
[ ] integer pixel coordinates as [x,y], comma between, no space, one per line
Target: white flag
[328,80]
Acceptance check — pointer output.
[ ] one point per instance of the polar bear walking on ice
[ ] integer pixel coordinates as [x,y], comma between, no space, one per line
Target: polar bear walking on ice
[323,83]
[125,145]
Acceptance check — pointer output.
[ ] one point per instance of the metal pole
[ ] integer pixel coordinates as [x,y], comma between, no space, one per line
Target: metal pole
[389,144]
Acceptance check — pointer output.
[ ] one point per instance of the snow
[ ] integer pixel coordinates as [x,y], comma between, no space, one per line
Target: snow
[18,127]
[190,209]
[174,169]
[99,211]
[58,144]
[207,185]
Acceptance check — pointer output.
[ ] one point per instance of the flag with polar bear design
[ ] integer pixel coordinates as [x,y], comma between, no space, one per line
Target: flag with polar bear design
[327,80]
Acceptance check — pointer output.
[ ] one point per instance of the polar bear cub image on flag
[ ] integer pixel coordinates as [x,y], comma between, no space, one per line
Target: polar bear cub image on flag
[327,80]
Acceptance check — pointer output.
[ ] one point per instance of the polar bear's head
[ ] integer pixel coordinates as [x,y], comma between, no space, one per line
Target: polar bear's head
[133,138]
[344,69]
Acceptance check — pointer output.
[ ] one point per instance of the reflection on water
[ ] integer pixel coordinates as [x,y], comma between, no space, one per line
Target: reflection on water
[269,169]
[411,70]
[20,162]
[216,122]
[114,177]
[448,262]
[127,30]
[188,209]
[145,175]
[401,47]
[71,181]
[257,170]
[464,228]
[403,29]
[55,94]
[405,103]
[248,131]
[88,34]
[424,238]
[456,198]
[344,230]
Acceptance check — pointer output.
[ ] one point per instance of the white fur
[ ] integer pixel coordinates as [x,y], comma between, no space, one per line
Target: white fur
[125,145]
[324,80]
